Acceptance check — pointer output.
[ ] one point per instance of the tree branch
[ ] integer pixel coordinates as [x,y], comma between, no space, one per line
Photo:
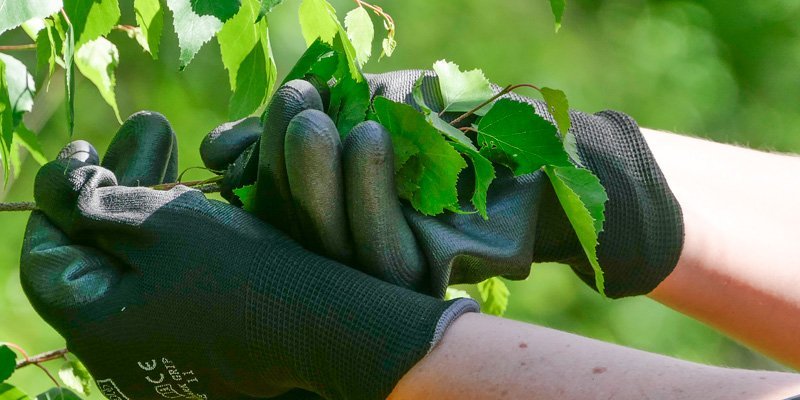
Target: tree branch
[17,47]
[40,358]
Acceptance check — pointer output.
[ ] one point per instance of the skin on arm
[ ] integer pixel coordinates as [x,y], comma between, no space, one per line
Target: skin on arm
[740,267]
[484,357]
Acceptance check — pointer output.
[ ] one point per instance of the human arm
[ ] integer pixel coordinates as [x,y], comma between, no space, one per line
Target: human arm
[739,269]
[516,360]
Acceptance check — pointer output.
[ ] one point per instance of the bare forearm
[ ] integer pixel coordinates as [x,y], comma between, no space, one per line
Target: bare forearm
[739,270]
[485,357]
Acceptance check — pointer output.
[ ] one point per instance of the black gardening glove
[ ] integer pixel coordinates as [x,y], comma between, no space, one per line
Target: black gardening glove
[638,248]
[166,294]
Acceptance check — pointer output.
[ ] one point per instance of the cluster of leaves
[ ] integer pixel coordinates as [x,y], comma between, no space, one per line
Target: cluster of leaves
[431,153]
[73,374]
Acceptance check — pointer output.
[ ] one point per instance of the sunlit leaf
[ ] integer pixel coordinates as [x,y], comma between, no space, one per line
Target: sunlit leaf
[97,60]
[150,21]
[361,32]
[193,30]
[14,12]
[494,296]
[91,19]
[76,377]
[462,91]
[10,392]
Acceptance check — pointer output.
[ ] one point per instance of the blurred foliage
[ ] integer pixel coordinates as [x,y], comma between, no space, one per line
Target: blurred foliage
[711,69]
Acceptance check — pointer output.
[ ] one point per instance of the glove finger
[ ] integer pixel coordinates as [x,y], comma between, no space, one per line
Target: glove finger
[273,200]
[79,150]
[59,277]
[314,167]
[144,152]
[226,143]
[385,245]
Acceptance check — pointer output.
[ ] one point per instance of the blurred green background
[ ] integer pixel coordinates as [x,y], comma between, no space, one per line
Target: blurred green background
[711,69]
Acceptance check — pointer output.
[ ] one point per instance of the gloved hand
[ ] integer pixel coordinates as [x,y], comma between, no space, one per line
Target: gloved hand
[167,294]
[351,197]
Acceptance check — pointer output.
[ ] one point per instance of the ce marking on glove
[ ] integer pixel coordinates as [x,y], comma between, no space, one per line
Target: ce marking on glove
[168,381]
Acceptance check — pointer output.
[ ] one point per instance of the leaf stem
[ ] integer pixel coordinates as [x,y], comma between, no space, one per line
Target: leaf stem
[17,47]
[506,90]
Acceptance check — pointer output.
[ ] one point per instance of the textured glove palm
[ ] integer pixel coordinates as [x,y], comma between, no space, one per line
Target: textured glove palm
[346,192]
[169,294]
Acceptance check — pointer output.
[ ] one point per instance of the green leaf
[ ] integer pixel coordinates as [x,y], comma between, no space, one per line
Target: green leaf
[21,87]
[252,84]
[318,20]
[68,51]
[8,362]
[27,139]
[97,60]
[15,12]
[558,11]
[91,18]
[361,32]
[33,26]
[150,19]
[245,46]
[76,377]
[462,91]
[494,296]
[388,45]
[583,199]
[426,165]
[58,394]
[6,123]
[349,103]
[453,293]
[266,7]
[527,140]
[558,106]
[247,194]
[193,30]
[571,147]
[484,170]
[10,392]
[46,53]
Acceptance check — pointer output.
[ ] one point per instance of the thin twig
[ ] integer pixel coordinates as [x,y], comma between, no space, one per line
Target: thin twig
[16,47]
[40,358]
[20,206]
[506,90]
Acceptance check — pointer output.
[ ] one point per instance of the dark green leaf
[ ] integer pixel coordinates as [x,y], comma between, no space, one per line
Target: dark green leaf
[221,9]
[21,87]
[91,18]
[193,30]
[484,175]
[558,11]
[58,394]
[462,91]
[349,103]
[427,166]
[10,392]
[266,7]
[15,12]
[27,139]
[494,295]
[97,60]
[529,141]
[361,32]
[8,362]
[247,194]
[76,377]
[150,18]
[583,199]
[319,59]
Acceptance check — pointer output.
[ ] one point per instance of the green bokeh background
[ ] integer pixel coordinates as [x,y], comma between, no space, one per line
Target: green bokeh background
[711,69]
